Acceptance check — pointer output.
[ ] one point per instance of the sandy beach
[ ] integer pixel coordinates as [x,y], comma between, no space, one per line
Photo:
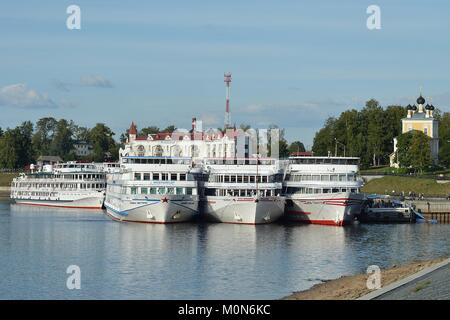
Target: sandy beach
[353,287]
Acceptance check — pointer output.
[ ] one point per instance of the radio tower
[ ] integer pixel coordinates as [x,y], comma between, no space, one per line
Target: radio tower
[227,80]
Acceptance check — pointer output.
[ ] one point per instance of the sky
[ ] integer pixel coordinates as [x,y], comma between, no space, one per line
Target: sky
[294,63]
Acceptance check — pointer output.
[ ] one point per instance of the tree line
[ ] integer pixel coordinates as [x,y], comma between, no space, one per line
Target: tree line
[22,145]
[368,133]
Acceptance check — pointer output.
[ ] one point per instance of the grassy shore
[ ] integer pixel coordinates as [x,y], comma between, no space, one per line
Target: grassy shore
[386,170]
[429,187]
[353,287]
[380,170]
[6,178]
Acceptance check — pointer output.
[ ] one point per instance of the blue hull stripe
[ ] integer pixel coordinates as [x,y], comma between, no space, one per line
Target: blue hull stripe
[125,213]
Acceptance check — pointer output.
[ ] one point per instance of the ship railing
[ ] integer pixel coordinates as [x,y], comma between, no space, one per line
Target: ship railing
[62,180]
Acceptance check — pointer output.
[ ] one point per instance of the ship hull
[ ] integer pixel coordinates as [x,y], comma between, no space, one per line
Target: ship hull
[244,210]
[159,209]
[336,209]
[80,203]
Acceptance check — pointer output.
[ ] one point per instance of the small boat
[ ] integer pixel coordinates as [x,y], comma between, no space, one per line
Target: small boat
[384,209]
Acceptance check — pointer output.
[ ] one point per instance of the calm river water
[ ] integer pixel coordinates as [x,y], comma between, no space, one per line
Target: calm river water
[191,261]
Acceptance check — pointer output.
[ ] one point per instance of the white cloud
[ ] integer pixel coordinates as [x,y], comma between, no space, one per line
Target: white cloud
[95,81]
[20,96]
[60,85]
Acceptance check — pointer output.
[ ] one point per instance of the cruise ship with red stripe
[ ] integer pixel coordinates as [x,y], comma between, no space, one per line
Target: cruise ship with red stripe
[63,185]
[243,190]
[322,190]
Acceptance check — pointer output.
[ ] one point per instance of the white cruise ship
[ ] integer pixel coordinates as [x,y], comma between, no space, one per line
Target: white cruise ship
[322,190]
[64,185]
[152,189]
[243,190]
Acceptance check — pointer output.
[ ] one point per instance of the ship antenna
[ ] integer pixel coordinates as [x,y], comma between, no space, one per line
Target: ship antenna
[227,80]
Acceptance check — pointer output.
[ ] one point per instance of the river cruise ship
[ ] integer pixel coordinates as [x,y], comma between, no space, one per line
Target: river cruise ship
[63,185]
[243,191]
[323,190]
[153,189]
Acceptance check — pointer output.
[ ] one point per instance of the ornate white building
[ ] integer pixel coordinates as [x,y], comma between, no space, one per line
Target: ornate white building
[196,144]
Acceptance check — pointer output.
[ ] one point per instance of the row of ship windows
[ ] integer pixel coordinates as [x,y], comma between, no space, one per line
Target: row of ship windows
[78,176]
[324,161]
[321,177]
[161,190]
[156,161]
[232,178]
[60,185]
[160,176]
[242,192]
[292,190]
[35,194]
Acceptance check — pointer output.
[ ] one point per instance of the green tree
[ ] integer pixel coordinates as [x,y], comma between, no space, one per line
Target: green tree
[392,126]
[123,138]
[367,133]
[296,146]
[62,143]
[25,144]
[170,129]
[80,133]
[15,147]
[148,130]
[413,150]
[284,148]
[444,139]
[8,149]
[42,138]
[374,116]
[324,138]
[103,144]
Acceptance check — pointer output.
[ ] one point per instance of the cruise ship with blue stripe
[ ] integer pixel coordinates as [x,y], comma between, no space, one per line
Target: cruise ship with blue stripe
[152,189]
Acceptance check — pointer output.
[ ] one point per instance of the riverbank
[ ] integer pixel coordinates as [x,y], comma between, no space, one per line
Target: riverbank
[354,287]
[387,184]
[6,178]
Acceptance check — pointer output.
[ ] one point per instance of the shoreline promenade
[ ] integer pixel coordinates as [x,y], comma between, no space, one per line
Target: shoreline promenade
[432,283]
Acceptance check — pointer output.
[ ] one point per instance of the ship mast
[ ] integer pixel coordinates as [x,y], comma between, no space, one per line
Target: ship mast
[227,80]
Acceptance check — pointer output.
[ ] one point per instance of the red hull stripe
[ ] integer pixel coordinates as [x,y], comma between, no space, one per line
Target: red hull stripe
[56,206]
[325,199]
[298,212]
[247,223]
[324,222]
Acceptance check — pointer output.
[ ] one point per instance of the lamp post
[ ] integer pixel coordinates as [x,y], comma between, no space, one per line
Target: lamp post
[335,147]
